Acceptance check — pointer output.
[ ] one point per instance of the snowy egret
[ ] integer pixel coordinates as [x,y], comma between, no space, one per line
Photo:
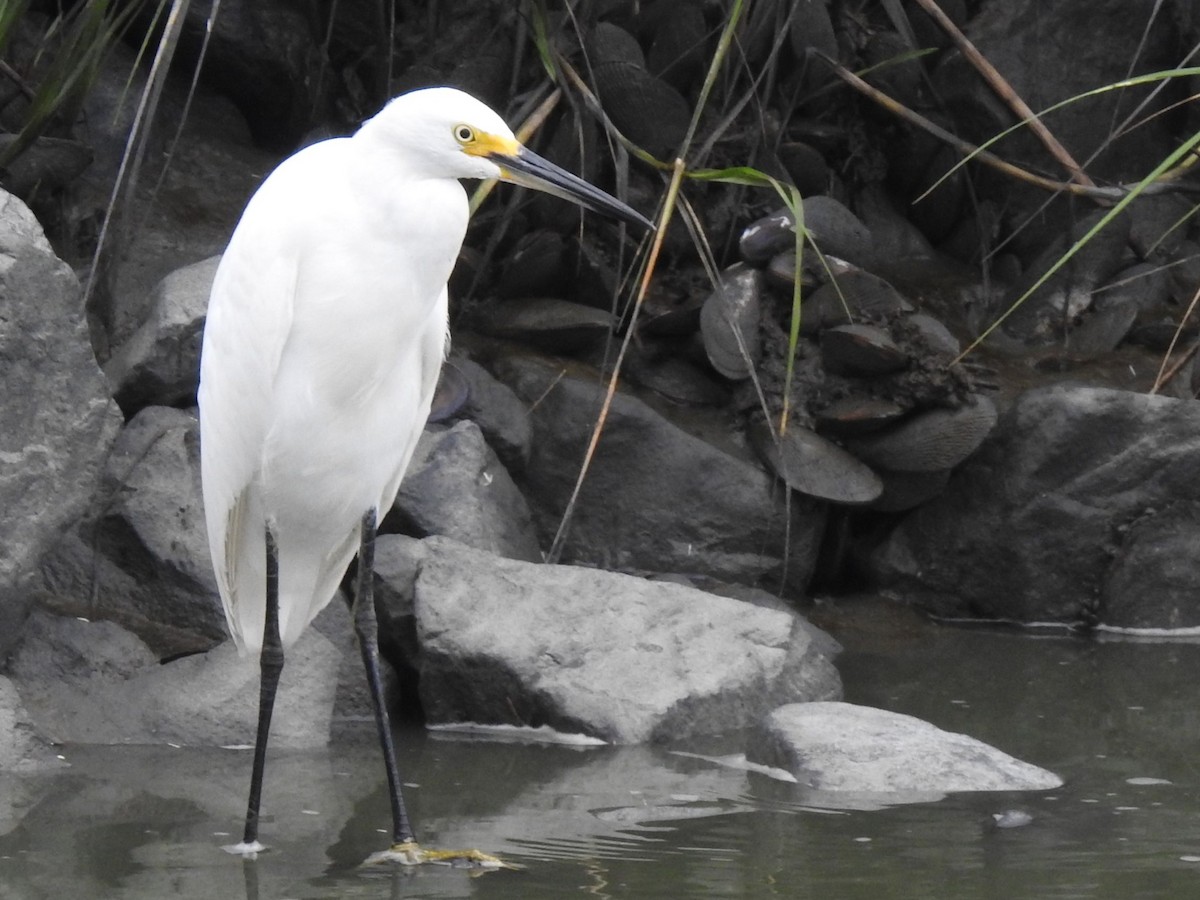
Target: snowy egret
[327,325]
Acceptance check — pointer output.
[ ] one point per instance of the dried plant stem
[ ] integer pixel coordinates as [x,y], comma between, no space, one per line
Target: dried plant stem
[1104,194]
[1001,86]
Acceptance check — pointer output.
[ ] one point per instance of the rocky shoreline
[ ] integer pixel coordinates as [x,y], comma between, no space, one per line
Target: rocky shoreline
[1037,481]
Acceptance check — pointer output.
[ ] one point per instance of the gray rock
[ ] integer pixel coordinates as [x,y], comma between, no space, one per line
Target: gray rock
[1154,581]
[456,486]
[22,749]
[93,682]
[1055,514]
[500,414]
[263,55]
[1105,36]
[352,704]
[57,422]
[841,747]
[655,498]
[141,555]
[160,363]
[599,653]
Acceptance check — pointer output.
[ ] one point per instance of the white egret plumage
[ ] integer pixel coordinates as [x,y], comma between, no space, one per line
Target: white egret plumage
[326,329]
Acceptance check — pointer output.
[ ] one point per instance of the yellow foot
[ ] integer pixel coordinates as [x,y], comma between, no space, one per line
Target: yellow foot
[411,854]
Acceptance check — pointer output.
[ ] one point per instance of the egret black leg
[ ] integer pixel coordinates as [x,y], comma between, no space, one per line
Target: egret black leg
[271,664]
[367,629]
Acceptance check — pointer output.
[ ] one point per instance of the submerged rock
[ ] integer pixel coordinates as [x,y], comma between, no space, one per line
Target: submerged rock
[841,747]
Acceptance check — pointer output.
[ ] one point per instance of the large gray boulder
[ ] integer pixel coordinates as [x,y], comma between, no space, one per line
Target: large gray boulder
[57,421]
[656,497]
[581,650]
[1082,506]
[842,748]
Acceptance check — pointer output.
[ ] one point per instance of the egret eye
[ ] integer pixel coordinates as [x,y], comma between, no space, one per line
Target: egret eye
[464,134]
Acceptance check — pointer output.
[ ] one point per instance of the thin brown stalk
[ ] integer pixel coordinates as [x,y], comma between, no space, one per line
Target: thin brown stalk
[1092,191]
[1165,374]
[1005,91]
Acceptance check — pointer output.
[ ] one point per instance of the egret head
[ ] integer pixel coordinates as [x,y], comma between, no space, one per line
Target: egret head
[449,134]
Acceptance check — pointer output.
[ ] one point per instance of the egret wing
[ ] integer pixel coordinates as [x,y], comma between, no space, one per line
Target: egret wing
[249,318]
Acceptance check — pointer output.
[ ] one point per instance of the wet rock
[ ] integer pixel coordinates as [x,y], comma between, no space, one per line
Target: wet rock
[604,654]
[94,683]
[22,748]
[1094,44]
[535,267]
[456,486]
[1162,541]
[262,55]
[656,498]
[809,171]
[929,441]
[907,490]
[500,414]
[57,421]
[729,323]
[46,167]
[643,107]
[860,350]
[848,297]
[810,464]
[140,556]
[827,223]
[1041,317]
[840,747]
[678,49]
[549,323]
[159,365]
[1040,525]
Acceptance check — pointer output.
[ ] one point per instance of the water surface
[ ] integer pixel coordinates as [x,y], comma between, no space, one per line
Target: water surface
[1116,718]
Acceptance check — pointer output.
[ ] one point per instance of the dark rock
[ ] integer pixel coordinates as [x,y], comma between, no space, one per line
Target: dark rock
[559,326]
[1029,528]
[860,350]
[729,322]
[456,486]
[655,497]
[140,556]
[842,749]
[813,465]
[159,365]
[928,441]
[500,414]
[58,422]
[48,165]
[1153,581]
[1090,44]
[263,55]
[599,653]
[1059,300]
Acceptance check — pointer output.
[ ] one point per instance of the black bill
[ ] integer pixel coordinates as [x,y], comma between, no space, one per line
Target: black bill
[529,170]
